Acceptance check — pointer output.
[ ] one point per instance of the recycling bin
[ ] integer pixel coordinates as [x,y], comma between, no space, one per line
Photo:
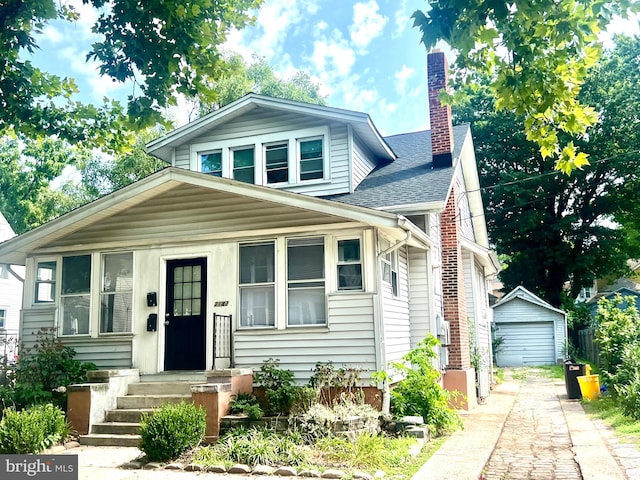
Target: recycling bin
[571,373]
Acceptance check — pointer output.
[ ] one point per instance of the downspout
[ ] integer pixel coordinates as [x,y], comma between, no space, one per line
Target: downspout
[12,272]
[396,246]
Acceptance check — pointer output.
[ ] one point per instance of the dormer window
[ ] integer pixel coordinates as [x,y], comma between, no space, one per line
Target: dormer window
[211,163]
[244,164]
[277,162]
[311,159]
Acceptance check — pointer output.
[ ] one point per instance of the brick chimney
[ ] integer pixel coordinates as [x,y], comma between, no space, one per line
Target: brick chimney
[439,115]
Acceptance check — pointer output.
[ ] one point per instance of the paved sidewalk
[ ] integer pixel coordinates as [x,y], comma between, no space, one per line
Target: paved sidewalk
[530,430]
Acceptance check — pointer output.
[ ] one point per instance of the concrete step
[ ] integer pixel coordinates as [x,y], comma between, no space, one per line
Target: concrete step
[104,439]
[126,415]
[161,388]
[116,428]
[150,401]
[177,376]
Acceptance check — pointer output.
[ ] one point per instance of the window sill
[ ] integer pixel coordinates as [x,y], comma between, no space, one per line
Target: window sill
[282,331]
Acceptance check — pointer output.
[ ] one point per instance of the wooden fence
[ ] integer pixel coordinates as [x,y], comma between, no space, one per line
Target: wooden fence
[587,348]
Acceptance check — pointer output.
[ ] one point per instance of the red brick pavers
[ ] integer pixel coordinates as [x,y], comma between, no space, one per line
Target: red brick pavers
[535,441]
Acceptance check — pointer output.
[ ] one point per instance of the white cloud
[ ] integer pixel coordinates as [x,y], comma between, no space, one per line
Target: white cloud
[630,26]
[52,34]
[333,55]
[402,18]
[367,24]
[402,77]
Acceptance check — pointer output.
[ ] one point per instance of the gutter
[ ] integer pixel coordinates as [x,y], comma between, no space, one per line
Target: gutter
[13,272]
[412,232]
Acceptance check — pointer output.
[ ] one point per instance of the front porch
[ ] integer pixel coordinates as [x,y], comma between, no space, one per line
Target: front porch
[107,409]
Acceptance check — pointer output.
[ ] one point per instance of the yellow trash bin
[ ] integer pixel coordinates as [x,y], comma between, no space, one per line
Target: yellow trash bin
[589,386]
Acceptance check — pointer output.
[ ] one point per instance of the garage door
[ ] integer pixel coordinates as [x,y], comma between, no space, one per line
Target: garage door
[529,343]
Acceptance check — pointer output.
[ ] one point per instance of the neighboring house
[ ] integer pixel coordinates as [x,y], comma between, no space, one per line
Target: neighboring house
[322,239]
[624,292]
[533,332]
[602,287]
[11,279]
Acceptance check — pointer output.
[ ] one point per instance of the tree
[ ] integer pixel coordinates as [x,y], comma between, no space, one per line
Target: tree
[164,48]
[259,77]
[536,55]
[553,228]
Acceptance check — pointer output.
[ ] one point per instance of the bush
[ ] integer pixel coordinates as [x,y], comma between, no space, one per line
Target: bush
[420,392]
[32,430]
[278,387]
[45,370]
[303,399]
[247,404]
[171,430]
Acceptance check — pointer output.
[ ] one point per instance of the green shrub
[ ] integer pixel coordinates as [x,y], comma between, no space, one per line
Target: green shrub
[420,392]
[45,370]
[247,404]
[303,399]
[171,430]
[32,430]
[278,387]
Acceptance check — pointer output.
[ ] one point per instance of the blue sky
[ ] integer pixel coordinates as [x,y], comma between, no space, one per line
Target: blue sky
[365,55]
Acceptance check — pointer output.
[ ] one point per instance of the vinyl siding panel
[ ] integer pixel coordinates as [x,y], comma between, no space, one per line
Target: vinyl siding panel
[181,214]
[395,312]
[363,163]
[466,223]
[435,232]
[348,341]
[32,321]
[419,310]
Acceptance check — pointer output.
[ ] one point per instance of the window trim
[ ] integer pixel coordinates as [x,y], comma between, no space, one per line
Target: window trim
[211,152]
[55,282]
[338,263]
[291,136]
[391,260]
[240,148]
[325,167]
[315,280]
[265,146]
[273,284]
[63,295]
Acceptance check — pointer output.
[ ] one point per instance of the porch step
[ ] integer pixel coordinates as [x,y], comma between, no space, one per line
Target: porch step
[117,428]
[150,401]
[177,376]
[105,439]
[126,415]
[161,388]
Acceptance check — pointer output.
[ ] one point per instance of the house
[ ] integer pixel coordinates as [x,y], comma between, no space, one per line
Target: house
[11,278]
[604,287]
[279,230]
[533,332]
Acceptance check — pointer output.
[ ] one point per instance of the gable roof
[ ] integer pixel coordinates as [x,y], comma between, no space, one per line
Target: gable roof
[523,294]
[360,122]
[17,249]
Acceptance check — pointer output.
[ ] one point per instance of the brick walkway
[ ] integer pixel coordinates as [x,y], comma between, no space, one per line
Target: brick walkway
[535,442]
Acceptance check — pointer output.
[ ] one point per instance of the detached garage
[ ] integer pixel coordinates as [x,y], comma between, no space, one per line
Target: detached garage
[534,332]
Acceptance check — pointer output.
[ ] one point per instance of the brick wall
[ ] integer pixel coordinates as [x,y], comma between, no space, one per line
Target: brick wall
[439,115]
[455,306]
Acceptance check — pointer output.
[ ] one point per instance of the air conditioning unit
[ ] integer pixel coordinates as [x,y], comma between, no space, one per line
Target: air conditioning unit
[444,333]
[444,357]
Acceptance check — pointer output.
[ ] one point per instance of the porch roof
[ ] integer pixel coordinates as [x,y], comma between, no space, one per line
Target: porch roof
[16,250]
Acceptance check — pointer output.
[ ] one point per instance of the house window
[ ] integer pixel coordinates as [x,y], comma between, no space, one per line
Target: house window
[257,285]
[311,159]
[75,294]
[305,281]
[349,265]
[243,165]
[390,271]
[277,162]
[211,163]
[4,271]
[3,318]
[45,291]
[116,293]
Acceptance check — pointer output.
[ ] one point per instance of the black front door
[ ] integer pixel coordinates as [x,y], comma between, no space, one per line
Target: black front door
[185,319]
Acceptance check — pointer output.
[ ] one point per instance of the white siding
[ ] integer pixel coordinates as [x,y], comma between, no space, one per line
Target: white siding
[436,262]
[419,298]
[349,340]
[10,299]
[395,313]
[363,163]
[464,210]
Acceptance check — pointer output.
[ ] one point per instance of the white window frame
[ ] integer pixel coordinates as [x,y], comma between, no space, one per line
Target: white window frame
[66,295]
[255,285]
[210,152]
[322,280]
[265,147]
[390,260]
[290,136]
[55,282]
[340,263]
[4,313]
[299,143]
[232,151]
[122,290]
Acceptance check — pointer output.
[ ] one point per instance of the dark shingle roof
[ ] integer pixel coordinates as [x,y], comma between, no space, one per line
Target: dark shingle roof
[409,179]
